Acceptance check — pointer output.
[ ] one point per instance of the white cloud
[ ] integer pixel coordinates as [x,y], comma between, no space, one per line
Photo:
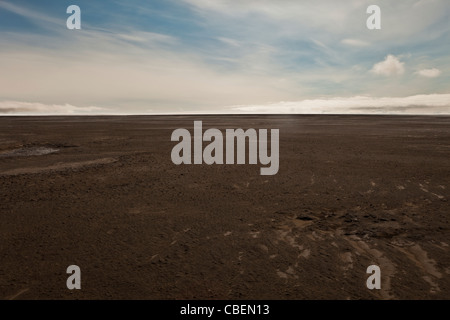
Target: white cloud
[389,67]
[429,73]
[417,104]
[355,42]
[20,107]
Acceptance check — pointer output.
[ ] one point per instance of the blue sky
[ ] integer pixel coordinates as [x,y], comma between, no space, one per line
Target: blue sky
[224,56]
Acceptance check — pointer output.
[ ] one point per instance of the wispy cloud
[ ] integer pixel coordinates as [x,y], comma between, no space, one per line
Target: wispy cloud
[147,37]
[35,16]
[228,41]
[355,42]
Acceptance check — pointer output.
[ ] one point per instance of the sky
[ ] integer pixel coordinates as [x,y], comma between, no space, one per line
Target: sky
[224,56]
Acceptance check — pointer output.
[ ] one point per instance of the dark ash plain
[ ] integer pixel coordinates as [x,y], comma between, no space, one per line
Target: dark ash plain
[351,191]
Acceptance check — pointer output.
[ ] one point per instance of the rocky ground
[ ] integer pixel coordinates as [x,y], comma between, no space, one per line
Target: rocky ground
[102,193]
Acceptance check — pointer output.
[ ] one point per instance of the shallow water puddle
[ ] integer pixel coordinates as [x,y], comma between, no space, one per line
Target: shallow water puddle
[25,152]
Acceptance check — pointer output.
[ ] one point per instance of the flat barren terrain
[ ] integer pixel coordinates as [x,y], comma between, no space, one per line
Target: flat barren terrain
[102,193]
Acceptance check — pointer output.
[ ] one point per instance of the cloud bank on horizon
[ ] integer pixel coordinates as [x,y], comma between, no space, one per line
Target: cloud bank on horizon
[224,56]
